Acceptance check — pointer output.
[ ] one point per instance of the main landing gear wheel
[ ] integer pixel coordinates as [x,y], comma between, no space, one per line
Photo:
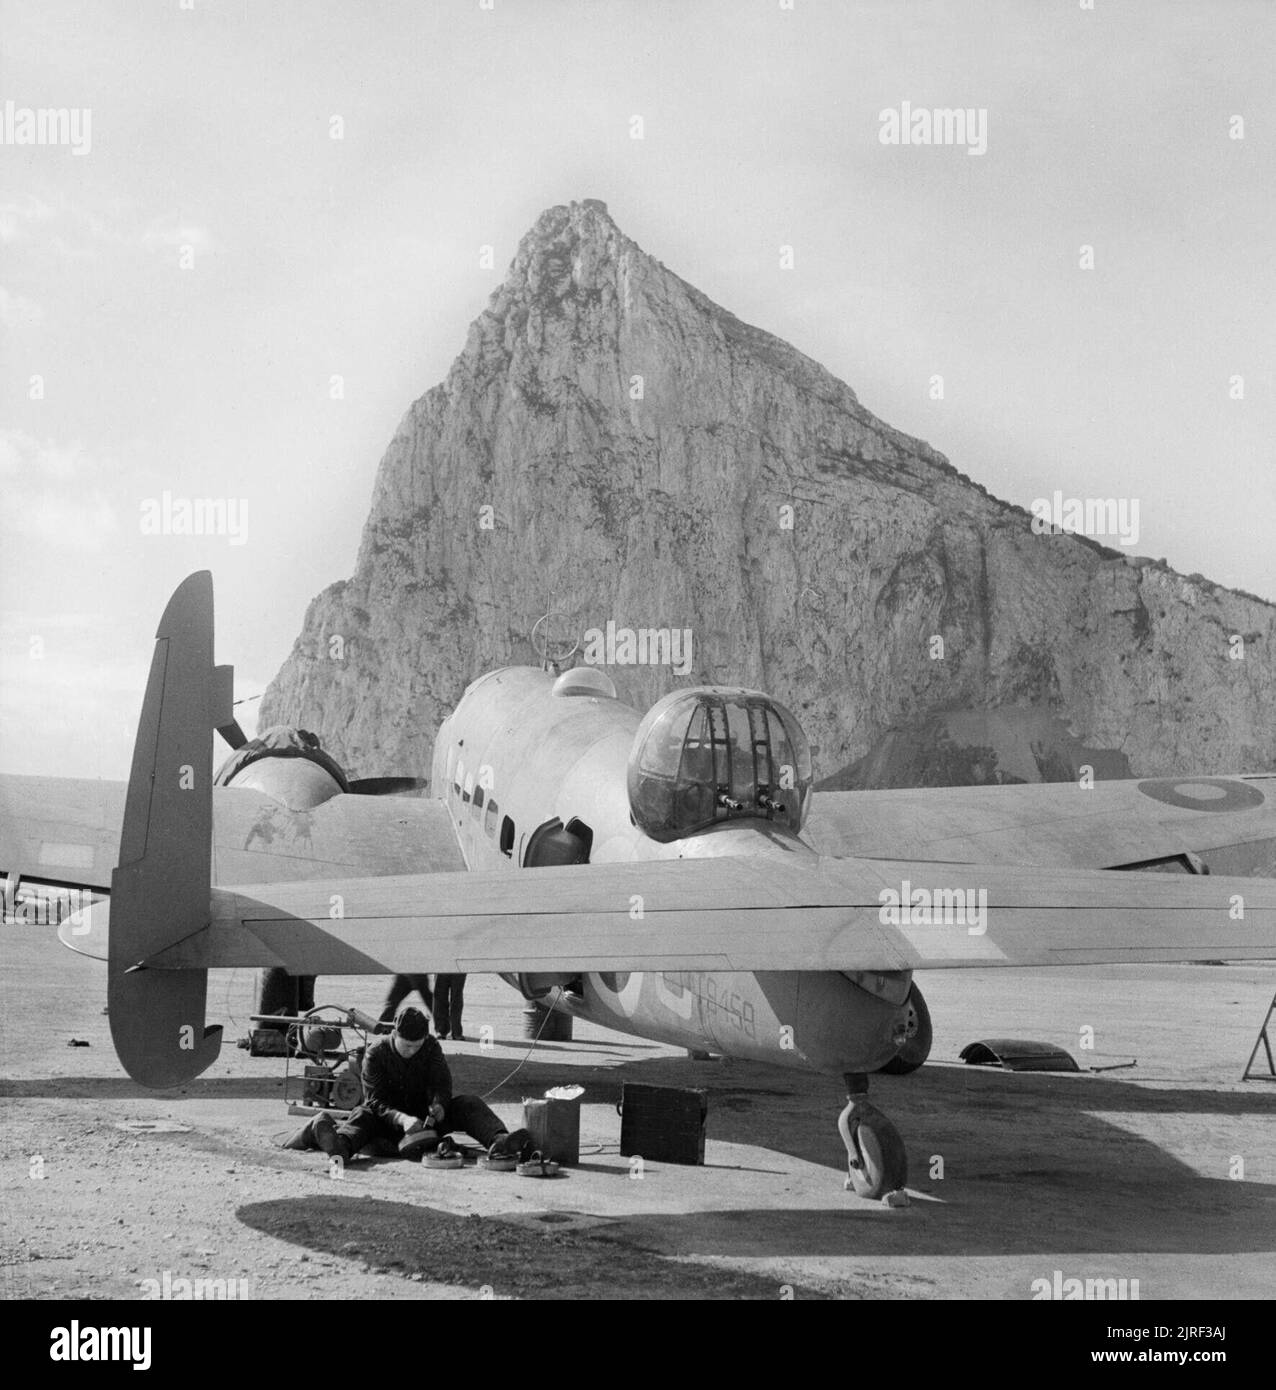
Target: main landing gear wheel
[876,1161]
[917,1044]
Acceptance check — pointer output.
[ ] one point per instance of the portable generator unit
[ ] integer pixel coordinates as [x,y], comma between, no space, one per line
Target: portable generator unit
[323,1055]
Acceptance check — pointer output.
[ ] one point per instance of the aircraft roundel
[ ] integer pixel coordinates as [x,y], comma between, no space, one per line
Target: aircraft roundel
[1203,793]
[625,987]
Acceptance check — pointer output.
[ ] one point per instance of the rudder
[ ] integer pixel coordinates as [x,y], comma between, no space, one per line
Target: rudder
[160,890]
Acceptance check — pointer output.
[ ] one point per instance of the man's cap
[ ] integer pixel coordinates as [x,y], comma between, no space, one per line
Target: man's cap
[411,1024]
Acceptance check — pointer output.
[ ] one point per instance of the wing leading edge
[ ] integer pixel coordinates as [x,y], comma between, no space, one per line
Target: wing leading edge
[67,830]
[1052,824]
[732,914]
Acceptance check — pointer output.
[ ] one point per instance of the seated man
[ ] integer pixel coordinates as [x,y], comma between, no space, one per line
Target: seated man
[407,1098]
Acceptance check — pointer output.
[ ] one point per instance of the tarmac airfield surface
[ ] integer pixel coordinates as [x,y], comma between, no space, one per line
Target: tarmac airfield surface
[1164,1172]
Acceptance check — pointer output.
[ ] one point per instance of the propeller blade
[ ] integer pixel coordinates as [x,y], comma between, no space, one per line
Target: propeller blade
[233,734]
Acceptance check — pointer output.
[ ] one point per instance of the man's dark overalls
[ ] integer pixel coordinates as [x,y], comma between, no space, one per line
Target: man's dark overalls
[398,1090]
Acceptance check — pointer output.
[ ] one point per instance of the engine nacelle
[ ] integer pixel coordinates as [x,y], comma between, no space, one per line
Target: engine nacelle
[287,764]
[713,754]
[539,988]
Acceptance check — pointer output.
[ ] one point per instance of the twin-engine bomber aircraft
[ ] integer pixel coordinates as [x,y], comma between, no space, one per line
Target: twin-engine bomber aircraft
[691,887]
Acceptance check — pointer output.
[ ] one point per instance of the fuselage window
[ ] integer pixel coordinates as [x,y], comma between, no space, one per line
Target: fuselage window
[468,788]
[489,820]
[477,805]
[458,777]
[507,837]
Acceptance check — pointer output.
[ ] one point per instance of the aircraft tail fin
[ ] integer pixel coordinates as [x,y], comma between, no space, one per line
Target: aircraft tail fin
[160,891]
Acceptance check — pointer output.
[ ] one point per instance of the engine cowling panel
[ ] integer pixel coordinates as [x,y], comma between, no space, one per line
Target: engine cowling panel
[287,764]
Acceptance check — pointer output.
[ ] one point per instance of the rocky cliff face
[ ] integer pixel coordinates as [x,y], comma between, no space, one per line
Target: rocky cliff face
[614,446]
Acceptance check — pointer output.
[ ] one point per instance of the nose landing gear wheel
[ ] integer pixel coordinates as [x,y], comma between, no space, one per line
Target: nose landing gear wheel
[916,1047]
[876,1162]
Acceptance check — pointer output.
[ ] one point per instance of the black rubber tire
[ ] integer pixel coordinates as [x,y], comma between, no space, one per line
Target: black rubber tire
[883,1158]
[917,1048]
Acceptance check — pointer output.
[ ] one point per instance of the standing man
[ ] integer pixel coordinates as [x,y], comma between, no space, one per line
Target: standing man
[449,1000]
[407,1097]
[400,988]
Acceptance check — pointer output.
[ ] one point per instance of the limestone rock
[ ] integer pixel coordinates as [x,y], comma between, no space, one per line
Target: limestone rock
[614,446]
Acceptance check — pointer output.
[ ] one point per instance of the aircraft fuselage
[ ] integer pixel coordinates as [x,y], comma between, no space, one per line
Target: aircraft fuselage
[530,776]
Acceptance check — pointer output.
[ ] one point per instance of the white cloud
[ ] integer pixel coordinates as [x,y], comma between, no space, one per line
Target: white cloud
[62,716]
[81,231]
[18,216]
[73,683]
[170,232]
[50,493]
[16,311]
[23,454]
[69,230]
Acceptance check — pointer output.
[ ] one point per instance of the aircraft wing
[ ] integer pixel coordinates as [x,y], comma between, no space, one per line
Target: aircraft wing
[67,830]
[61,829]
[256,840]
[1053,824]
[726,914]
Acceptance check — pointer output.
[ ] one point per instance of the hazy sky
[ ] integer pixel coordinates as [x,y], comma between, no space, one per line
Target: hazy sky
[211,130]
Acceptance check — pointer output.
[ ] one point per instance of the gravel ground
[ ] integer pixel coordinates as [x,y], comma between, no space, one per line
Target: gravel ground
[1165,1172]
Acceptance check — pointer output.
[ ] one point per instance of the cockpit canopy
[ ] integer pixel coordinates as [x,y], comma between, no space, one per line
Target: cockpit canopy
[715,754]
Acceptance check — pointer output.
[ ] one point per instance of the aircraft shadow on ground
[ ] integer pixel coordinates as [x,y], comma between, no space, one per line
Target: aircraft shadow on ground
[1000,1220]
[502,1257]
[1030,1162]
[123,1088]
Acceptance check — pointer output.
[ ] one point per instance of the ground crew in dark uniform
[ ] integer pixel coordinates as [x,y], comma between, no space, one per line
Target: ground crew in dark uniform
[449,1000]
[400,988]
[407,1098]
